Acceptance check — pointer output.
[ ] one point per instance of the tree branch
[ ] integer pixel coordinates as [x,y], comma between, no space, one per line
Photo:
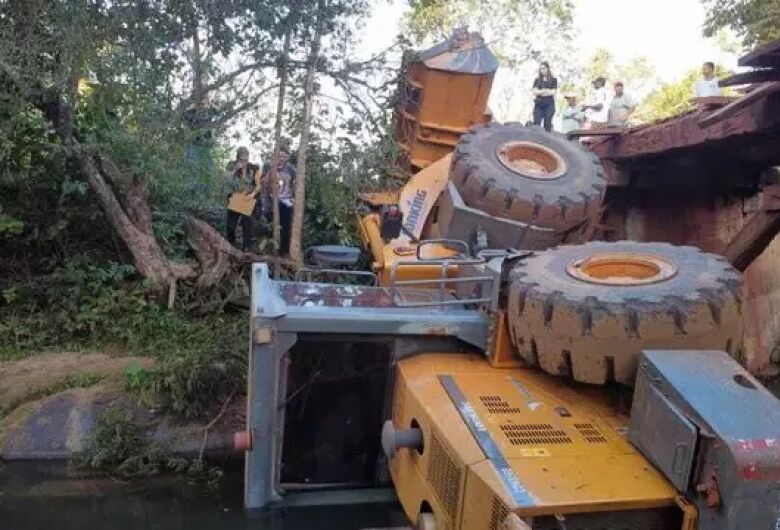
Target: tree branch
[222,81]
[232,113]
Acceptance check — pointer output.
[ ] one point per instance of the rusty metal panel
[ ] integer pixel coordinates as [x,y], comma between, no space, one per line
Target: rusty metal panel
[686,131]
[710,223]
[767,56]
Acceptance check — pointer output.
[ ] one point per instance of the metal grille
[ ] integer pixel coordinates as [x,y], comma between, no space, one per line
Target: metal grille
[444,477]
[658,519]
[498,513]
[590,433]
[496,405]
[534,434]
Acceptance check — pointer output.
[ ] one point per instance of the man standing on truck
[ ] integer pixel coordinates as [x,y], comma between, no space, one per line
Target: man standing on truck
[241,176]
[284,173]
[621,107]
[597,107]
[707,86]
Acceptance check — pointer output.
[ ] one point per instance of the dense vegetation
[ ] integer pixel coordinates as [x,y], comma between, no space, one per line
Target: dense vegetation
[99,191]
[105,175]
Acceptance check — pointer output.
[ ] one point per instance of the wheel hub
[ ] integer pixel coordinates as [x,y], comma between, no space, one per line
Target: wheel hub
[531,160]
[622,269]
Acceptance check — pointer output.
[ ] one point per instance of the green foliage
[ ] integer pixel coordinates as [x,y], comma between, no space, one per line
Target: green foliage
[434,19]
[673,98]
[117,447]
[10,225]
[199,361]
[757,22]
[138,378]
[194,379]
[64,274]
[669,100]
[638,74]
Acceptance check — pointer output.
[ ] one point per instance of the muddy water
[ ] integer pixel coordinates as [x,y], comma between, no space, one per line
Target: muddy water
[41,497]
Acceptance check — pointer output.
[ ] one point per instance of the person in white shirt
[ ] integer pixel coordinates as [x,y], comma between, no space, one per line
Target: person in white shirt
[573,116]
[596,111]
[621,107]
[707,86]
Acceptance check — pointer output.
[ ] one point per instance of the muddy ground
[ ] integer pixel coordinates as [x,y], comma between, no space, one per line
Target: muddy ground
[51,403]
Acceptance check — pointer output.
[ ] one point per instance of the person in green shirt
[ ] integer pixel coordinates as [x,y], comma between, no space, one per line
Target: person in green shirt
[621,108]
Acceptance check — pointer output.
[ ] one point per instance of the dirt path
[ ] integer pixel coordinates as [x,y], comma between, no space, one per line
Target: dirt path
[41,375]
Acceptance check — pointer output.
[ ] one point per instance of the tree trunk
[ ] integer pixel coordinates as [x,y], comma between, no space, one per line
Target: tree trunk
[299,206]
[197,67]
[217,257]
[123,201]
[283,74]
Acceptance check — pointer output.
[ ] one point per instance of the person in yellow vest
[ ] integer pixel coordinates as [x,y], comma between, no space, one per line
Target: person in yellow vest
[241,176]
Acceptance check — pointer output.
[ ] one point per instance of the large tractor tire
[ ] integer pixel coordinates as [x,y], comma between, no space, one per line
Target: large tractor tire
[529,175]
[587,311]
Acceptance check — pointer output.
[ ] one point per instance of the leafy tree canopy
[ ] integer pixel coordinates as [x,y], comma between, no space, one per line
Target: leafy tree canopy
[757,22]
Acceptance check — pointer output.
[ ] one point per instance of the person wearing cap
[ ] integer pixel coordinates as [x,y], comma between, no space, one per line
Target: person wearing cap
[621,108]
[573,116]
[241,176]
[597,108]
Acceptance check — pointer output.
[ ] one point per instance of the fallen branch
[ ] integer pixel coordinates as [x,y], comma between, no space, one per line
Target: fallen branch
[216,255]
[212,423]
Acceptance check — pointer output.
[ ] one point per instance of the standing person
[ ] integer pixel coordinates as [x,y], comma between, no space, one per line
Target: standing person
[597,108]
[707,86]
[573,116]
[621,108]
[241,176]
[285,178]
[544,89]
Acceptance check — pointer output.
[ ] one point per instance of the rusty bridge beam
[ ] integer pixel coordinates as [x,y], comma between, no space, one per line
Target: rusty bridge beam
[758,113]
[757,233]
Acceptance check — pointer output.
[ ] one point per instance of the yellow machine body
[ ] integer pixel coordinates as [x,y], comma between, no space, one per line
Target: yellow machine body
[566,446]
[563,446]
[444,92]
[416,201]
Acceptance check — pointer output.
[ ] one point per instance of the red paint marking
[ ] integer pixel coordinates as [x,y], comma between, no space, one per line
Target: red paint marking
[751,472]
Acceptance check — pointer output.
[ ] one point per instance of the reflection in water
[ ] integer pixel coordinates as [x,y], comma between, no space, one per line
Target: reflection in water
[38,497]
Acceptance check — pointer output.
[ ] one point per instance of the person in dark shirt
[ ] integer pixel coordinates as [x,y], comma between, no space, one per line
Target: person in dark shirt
[544,97]
[285,178]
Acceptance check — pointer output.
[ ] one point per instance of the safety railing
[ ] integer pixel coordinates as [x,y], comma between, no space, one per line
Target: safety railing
[444,284]
[308,274]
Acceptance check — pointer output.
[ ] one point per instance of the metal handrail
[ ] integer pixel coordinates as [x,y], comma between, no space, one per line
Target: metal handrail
[306,273]
[442,281]
[444,243]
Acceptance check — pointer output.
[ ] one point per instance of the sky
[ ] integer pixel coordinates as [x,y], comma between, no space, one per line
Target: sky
[669,32]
